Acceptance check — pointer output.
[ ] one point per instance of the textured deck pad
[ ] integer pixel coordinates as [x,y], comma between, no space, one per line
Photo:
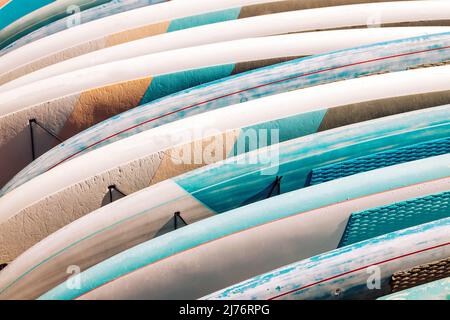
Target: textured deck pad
[380,160]
[421,274]
[375,222]
[68,196]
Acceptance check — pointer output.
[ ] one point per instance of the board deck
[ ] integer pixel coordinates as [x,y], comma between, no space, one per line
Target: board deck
[345,273]
[201,258]
[115,29]
[80,186]
[43,16]
[71,113]
[133,220]
[90,37]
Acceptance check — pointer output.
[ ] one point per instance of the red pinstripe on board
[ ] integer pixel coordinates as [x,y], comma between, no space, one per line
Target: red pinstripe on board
[244,90]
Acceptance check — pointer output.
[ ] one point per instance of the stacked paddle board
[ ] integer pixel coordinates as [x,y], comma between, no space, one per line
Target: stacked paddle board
[154,157]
